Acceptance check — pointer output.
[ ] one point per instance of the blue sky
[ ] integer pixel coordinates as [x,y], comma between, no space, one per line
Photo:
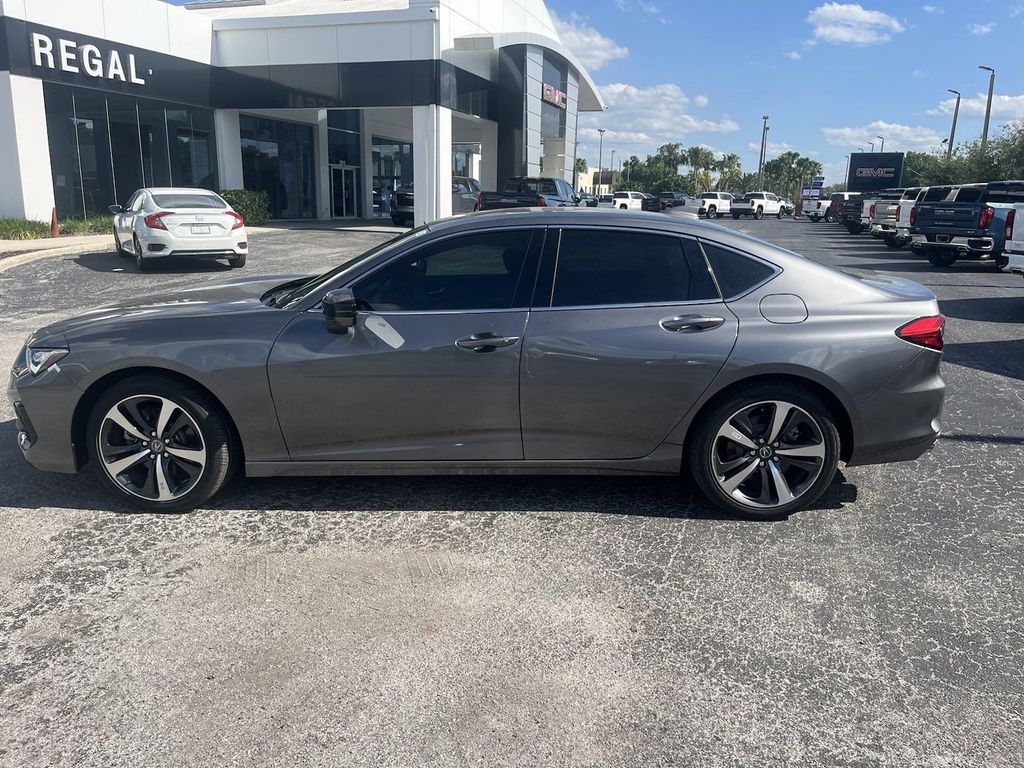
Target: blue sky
[831,76]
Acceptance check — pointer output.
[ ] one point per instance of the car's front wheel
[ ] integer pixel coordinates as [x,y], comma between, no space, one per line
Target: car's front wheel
[765,451]
[160,446]
[781,212]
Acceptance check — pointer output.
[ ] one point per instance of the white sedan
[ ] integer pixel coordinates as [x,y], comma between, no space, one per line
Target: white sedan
[161,223]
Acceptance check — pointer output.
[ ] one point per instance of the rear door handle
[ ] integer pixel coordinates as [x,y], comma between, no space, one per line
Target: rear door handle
[691,323]
[486,342]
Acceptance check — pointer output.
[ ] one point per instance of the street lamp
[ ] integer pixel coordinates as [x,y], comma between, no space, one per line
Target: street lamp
[988,106]
[881,148]
[611,166]
[760,162]
[860,149]
[872,145]
[600,159]
[846,176]
[952,131]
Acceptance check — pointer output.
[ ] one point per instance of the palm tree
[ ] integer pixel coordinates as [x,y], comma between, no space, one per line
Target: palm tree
[700,160]
[748,182]
[730,172]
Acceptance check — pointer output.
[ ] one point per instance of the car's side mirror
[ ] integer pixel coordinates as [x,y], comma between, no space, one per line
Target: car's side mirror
[115,208]
[339,310]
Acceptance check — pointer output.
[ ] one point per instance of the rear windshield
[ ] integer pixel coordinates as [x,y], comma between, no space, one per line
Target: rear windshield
[754,196]
[969,194]
[937,194]
[186,200]
[531,186]
[1008,193]
[709,196]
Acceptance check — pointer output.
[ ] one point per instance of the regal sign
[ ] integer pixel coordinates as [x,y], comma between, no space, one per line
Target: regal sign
[88,59]
[554,96]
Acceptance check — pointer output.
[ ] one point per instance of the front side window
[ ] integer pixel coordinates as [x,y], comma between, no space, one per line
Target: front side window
[473,272]
[735,272]
[604,267]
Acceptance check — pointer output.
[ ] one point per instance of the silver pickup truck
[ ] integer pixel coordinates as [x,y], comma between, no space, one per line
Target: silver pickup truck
[883,214]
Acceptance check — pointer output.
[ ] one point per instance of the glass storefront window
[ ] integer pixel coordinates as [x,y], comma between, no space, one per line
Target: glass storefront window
[104,146]
[392,168]
[278,158]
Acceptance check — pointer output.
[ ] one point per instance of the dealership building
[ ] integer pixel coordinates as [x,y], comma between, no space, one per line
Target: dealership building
[325,105]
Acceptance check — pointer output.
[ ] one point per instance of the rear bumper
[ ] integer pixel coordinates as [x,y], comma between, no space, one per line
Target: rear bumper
[883,229]
[161,245]
[903,419]
[975,246]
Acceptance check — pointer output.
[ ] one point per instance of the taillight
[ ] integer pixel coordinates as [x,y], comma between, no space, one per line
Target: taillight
[925,331]
[871,211]
[1010,216]
[239,220]
[540,202]
[153,221]
[479,202]
[986,216]
[898,207]
[913,216]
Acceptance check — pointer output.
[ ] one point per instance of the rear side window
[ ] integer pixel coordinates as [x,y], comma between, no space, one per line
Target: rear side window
[736,273]
[1009,193]
[621,195]
[599,267]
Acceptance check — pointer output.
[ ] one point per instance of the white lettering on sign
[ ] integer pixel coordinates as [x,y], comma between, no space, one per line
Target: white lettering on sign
[554,96]
[88,59]
[876,173]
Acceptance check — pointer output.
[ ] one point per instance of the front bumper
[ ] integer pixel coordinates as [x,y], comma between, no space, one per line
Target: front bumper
[980,247]
[44,407]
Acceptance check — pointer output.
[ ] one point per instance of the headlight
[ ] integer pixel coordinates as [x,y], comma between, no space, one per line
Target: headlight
[38,360]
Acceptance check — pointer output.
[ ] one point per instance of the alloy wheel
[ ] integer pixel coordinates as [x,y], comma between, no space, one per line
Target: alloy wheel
[768,454]
[152,447]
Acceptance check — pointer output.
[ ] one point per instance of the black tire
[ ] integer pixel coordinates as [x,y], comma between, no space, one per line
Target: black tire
[781,212]
[623,207]
[237,261]
[854,229]
[217,443]
[830,218]
[736,217]
[712,213]
[759,213]
[815,219]
[894,242]
[704,433]
[939,258]
[1001,260]
[140,262]
[118,248]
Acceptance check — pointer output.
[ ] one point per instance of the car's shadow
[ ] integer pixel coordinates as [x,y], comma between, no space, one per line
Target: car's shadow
[24,486]
[1007,309]
[1003,358]
[110,262]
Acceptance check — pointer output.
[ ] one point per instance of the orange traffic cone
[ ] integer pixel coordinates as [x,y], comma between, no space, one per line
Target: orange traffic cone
[54,229]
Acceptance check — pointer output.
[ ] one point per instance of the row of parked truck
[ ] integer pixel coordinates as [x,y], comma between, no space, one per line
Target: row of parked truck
[943,223]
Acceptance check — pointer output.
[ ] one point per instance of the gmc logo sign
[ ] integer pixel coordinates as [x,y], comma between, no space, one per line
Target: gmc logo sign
[876,173]
[68,56]
[553,96]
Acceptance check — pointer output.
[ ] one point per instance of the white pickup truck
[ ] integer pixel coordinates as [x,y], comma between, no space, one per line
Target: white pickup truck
[904,216]
[758,205]
[816,208]
[1014,248]
[714,205]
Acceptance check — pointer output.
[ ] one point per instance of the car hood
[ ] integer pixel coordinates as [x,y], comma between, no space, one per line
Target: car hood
[232,296]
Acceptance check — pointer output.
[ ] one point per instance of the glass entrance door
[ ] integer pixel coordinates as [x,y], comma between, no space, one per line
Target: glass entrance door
[344,191]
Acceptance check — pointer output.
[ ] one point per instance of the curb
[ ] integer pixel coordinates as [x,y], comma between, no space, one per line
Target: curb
[68,250]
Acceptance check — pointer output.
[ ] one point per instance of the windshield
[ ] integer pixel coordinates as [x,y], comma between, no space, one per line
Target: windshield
[320,282]
[185,200]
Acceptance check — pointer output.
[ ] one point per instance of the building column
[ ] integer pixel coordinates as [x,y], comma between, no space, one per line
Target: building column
[323,169]
[229,148]
[432,163]
[366,164]
[27,188]
[489,155]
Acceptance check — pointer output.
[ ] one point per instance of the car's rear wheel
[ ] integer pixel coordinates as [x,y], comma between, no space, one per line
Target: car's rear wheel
[158,445]
[765,451]
[759,213]
[830,218]
[736,217]
[140,262]
[623,207]
[1002,261]
[712,212]
[815,219]
[895,242]
[940,258]
[237,261]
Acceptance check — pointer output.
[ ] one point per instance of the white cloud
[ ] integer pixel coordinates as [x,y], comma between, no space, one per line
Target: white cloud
[918,73]
[700,100]
[932,9]
[1003,107]
[981,29]
[852,24]
[898,138]
[772,148]
[593,49]
[643,6]
[794,55]
[639,120]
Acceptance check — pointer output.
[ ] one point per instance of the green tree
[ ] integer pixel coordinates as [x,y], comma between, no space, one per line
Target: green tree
[730,173]
[700,161]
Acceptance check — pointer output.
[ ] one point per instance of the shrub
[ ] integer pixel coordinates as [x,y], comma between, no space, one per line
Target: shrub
[253,206]
[98,225]
[22,229]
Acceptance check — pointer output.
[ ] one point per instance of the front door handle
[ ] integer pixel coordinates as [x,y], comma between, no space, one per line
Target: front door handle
[486,342]
[691,323]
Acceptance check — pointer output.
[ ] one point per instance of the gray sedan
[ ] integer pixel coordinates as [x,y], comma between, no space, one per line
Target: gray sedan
[536,341]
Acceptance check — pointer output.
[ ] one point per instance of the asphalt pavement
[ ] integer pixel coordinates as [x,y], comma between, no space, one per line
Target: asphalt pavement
[525,621]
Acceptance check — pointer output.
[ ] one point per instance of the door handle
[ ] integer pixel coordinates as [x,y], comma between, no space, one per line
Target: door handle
[691,323]
[486,342]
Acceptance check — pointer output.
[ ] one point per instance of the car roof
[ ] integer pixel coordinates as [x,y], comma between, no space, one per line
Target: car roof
[594,217]
[179,191]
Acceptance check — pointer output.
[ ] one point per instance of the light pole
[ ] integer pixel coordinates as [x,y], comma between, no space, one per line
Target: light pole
[872,145]
[988,106]
[881,148]
[611,166]
[760,162]
[600,159]
[952,130]
[860,149]
[846,177]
